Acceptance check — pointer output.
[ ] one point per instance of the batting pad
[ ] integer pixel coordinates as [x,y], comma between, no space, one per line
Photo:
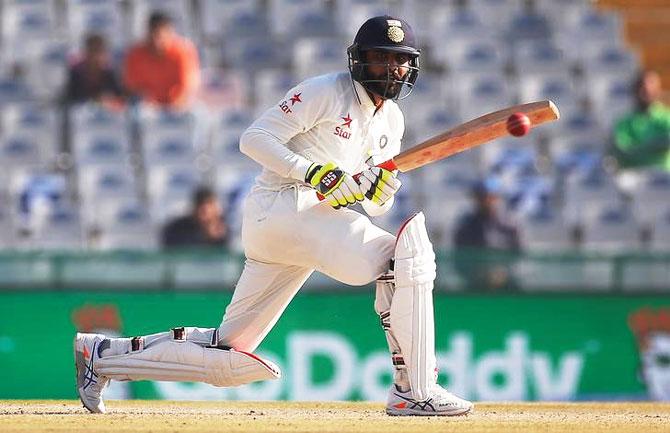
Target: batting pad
[187,361]
[412,320]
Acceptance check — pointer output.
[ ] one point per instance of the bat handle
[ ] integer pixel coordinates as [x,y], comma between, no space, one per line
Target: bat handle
[387,165]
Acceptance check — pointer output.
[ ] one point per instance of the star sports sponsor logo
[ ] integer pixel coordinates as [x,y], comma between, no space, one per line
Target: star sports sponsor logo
[340,131]
[295,99]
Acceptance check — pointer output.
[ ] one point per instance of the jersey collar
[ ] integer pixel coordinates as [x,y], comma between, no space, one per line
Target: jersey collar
[366,103]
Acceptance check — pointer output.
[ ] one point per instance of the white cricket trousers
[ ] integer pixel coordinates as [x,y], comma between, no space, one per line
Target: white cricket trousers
[287,235]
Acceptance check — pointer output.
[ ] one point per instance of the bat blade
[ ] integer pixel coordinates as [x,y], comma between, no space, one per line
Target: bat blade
[470,134]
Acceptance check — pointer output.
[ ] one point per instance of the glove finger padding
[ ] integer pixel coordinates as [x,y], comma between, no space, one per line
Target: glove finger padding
[379,184]
[339,188]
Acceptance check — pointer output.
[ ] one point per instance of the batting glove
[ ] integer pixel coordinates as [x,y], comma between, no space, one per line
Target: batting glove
[338,188]
[379,184]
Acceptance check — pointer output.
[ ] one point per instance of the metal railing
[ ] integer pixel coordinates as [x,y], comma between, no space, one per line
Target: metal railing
[458,271]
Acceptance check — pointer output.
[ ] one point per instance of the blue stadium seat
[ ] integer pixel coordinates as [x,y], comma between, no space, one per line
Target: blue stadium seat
[545,230]
[610,97]
[651,195]
[92,117]
[476,56]
[270,86]
[482,93]
[586,193]
[316,56]
[128,226]
[100,148]
[21,150]
[614,228]
[611,60]
[232,18]
[22,20]
[100,16]
[61,230]
[538,57]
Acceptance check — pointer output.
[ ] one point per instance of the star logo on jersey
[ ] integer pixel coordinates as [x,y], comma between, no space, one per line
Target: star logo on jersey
[347,121]
[295,99]
[340,131]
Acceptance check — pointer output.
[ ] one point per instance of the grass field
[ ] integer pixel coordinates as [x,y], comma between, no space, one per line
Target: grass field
[159,417]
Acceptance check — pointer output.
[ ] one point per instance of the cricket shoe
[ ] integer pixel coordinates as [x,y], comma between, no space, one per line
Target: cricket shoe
[440,403]
[89,384]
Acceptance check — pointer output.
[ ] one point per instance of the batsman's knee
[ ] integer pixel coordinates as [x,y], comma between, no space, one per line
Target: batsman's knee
[414,256]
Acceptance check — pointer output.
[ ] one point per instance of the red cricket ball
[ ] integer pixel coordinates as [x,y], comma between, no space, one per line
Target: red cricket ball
[518,124]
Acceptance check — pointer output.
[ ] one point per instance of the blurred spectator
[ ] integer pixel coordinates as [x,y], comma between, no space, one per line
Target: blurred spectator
[163,69]
[92,78]
[642,138]
[204,226]
[481,236]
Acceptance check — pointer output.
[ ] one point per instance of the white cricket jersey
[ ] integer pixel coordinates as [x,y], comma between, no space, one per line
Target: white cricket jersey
[320,120]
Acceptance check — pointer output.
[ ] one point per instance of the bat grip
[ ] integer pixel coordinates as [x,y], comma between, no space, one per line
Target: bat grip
[387,165]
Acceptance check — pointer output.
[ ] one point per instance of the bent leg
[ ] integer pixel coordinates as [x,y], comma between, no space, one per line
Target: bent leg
[263,292]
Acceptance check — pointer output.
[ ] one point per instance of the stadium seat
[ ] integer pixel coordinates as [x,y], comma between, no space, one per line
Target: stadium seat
[100,16]
[255,53]
[288,15]
[584,126]
[127,226]
[538,57]
[23,20]
[351,14]
[475,56]
[169,189]
[87,118]
[103,184]
[223,89]
[613,229]
[574,155]
[316,56]
[32,120]
[13,90]
[544,230]
[651,196]
[557,86]
[529,25]
[270,86]
[237,18]
[424,122]
[611,60]
[21,150]
[62,229]
[100,148]
[480,94]
[586,193]
[590,25]
[496,13]
[610,97]
[167,150]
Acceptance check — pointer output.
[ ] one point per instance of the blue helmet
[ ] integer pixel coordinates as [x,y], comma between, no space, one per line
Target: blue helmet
[384,33]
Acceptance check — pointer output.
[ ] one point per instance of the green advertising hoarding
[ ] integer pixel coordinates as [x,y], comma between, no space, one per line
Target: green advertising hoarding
[330,345]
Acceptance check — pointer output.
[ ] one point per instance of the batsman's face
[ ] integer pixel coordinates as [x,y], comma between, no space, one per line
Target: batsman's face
[386,65]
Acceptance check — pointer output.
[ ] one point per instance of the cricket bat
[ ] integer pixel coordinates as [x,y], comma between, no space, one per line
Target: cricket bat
[468,135]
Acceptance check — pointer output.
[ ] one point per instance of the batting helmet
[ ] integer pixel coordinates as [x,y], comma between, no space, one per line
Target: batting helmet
[384,33]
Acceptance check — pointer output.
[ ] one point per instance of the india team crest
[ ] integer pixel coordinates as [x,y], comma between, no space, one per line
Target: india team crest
[395,34]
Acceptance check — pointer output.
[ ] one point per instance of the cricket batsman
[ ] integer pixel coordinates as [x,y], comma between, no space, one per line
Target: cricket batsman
[324,131]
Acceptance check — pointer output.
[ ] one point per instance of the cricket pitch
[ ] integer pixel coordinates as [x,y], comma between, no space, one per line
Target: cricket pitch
[176,416]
